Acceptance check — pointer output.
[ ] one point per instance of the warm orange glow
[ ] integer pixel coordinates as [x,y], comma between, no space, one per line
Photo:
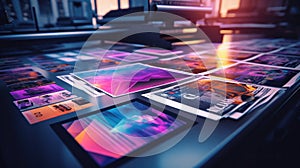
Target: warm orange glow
[223,52]
[226,32]
[124,4]
[222,56]
[226,39]
[228,4]
[189,30]
[191,42]
[104,6]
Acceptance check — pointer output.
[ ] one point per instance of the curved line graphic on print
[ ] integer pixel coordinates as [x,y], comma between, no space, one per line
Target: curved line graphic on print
[129,80]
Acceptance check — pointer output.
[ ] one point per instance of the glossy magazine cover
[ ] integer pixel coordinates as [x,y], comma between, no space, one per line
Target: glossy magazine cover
[212,98]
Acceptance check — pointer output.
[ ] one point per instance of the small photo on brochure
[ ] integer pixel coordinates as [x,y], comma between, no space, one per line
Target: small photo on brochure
[43,100]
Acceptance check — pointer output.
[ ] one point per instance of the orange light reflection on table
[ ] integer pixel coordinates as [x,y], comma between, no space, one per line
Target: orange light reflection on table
[222,52]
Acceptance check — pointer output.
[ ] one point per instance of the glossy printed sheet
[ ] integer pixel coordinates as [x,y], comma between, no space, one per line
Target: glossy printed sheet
[127,79]
[23,78]
[51,64]
[278,60]
[43,100]
[119,131]
[36,91]
[228,54]
[132,57]
[212,98]
[295,51]
[12,63]
[191,63]
[260,75]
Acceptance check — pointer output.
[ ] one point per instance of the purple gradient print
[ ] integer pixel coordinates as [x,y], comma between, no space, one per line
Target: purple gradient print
[36,91]
[129,79]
